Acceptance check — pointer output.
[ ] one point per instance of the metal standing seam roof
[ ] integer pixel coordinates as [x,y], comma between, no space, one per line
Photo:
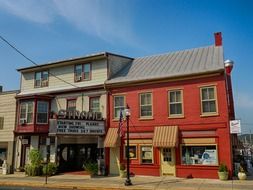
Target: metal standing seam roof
[180,63]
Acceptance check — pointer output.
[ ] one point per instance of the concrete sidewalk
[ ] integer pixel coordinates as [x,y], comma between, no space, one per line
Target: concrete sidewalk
[69,181]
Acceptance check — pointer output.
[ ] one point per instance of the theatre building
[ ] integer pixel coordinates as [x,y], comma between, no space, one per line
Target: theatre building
[62,105]
[7,125]
[181,104]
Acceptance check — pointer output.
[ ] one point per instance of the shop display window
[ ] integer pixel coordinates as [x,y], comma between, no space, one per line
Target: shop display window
[3,153]
[146,155]
[132,151]
[199,155]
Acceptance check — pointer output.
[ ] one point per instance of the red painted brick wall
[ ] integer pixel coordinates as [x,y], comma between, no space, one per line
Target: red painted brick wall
[192,120]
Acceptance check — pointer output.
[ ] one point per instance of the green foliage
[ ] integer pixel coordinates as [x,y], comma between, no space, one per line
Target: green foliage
[35,157]
[122,167]
[35,167]
[223,168]
[33,170]
[49,169]
[91,167]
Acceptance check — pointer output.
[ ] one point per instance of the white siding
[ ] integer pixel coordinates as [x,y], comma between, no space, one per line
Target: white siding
[8,112]
[82,101]
[98,76]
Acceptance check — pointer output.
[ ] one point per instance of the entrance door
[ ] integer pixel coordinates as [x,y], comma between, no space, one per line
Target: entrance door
[114,161]
[73,156]
[168,161]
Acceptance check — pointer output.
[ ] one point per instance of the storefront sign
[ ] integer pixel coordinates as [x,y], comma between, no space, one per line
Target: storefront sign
[235,126]
[77,127]
[69,114]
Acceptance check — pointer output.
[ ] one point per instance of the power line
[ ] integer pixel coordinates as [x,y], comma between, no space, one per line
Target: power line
[33,62]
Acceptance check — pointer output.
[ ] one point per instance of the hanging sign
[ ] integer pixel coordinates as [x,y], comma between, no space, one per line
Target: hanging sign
[235,126]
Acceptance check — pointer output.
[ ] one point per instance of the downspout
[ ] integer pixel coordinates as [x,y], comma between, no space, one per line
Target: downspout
[230,103]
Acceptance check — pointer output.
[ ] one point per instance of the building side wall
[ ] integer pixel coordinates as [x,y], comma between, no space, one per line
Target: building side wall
[116,63]
[8,112]
[66,73]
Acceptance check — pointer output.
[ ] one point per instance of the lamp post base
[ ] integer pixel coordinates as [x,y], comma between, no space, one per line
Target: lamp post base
[128,182]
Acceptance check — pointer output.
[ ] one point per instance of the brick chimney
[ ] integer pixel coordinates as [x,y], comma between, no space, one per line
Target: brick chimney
[218,39]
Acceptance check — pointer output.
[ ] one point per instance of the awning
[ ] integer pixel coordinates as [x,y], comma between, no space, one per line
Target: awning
[165,136]
[111,139]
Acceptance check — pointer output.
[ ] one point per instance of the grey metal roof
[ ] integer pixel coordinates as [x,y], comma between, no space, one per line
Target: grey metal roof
[180,63]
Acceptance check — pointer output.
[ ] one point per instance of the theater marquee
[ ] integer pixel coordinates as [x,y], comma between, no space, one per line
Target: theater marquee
[77,127]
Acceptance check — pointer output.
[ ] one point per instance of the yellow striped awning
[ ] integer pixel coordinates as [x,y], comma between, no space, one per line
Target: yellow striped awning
[111,139]
[165,136]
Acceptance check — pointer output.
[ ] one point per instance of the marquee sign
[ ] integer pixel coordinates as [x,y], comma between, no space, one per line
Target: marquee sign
[76,127]
[70,114]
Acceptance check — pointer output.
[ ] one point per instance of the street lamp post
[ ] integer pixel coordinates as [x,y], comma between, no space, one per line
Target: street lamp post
[128,180]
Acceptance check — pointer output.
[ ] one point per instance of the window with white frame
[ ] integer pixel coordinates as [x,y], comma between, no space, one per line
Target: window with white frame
[94,104]
[26,112]
[146,104]
[41,79]
[208,100]
[119,104]
[146,154]
[42,112]
[175,103]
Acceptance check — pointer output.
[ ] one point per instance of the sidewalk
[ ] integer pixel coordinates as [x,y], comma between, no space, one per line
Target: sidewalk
[70,181]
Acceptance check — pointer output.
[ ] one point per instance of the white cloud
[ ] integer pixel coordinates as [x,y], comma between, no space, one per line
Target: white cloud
[107,20]
[29,10]
[244,100]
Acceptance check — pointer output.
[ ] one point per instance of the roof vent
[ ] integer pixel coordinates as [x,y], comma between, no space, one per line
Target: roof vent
[229,66]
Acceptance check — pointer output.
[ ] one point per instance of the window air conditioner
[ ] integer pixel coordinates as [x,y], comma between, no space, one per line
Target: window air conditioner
[22,121]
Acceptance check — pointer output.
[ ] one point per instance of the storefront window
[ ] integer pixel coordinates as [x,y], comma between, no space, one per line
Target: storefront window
[199,155]
[132,152]
[146,155]
[26,112]
[3,154]
[42,112]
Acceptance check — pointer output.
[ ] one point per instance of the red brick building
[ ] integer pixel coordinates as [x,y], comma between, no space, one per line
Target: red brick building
[181,104]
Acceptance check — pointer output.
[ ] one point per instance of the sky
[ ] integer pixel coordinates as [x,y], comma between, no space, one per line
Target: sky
[51,30]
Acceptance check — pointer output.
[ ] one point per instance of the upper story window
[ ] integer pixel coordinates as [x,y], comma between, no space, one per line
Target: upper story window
[41,79]
[119,104]
[42,112]
[146,104]
[71,105]
[208,100]
[175,103]
[94,104]
[26,112]
[82,72]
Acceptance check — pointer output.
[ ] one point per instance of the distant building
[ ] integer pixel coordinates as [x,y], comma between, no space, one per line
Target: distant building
[181,104]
